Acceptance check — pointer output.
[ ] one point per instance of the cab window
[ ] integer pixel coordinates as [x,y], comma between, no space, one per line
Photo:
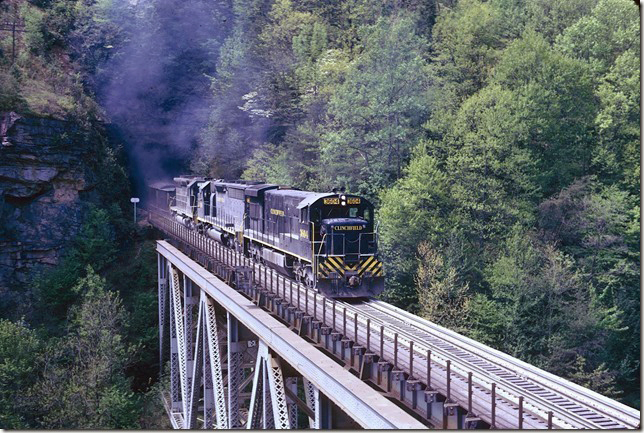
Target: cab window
[353,212]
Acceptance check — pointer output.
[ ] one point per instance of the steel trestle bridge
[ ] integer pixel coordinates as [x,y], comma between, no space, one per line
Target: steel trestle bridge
[250,348]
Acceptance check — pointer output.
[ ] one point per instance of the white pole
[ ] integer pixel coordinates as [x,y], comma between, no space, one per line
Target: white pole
[134,200]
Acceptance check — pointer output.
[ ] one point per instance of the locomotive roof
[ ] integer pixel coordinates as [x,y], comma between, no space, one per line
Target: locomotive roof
[162,186]
[241,184]
[307,197]
[254,190]
[312,197]
[297,194]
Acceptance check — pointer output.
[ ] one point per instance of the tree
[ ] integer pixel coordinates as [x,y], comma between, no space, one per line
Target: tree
[83,384]
[270,163]
[554,101]
[94,245]
[375,114]
[602,36]
[443,299]
[549,18]
[95,242]
[415,209]
[616,156]
[20,364]
[591,222]
[550,317]
[239,118]
[467,40]
[493,177]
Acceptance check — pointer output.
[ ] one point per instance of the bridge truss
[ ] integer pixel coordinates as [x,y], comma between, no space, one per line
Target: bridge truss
[232,365]
[230,369]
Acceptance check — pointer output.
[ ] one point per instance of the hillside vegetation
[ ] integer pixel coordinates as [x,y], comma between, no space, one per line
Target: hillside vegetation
[73,352]
[499,139]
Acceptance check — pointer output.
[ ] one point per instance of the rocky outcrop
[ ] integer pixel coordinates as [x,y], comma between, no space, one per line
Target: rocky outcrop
[46,180]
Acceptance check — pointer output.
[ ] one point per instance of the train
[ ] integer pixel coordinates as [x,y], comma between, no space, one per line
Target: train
[328,241]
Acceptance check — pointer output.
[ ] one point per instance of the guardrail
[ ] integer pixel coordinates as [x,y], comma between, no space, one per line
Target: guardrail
[484,396]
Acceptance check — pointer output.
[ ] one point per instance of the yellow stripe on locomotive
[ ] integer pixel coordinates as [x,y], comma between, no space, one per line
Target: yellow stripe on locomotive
[369,266]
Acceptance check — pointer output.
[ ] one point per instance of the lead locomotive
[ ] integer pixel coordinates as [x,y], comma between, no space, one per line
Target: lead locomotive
[325,240]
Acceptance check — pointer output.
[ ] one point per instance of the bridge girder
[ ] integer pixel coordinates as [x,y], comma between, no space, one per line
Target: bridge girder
[223,374]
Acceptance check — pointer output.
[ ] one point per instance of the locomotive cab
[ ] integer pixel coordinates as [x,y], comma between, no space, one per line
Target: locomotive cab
[345,246]
[343,237]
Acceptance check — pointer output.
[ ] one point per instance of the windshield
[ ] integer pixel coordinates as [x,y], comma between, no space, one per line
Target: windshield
[328,212]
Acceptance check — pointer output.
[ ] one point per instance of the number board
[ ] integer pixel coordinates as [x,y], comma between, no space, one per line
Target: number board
[332,200]
[353,200]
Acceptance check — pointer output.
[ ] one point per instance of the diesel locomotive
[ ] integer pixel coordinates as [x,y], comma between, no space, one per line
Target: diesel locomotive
[325,240]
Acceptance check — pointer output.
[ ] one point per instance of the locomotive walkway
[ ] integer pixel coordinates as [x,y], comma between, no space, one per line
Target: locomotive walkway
[248,347]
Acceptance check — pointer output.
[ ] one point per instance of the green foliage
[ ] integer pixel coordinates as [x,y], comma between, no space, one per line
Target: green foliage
[10,98]
[493,177]
[554,100]
[443,299]
[308,46]
[153,413]
[618,121]
[499,139]
[94,245]
[62,46]
[550,317]
[413,210]
[33,28]
[269,163]
[466,42]
[591,222]
[600,379]
[232,132]
[549,18]
[531,107]
[600,37]
[20,364]
[137,265]
[375,113]
[84,384]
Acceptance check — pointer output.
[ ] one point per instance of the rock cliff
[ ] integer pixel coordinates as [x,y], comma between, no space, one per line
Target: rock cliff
[46,182]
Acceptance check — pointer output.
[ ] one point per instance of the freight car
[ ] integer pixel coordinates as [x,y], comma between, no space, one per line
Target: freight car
[324,240]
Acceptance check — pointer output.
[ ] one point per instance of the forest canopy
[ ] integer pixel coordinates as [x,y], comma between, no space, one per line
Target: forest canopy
[499,140]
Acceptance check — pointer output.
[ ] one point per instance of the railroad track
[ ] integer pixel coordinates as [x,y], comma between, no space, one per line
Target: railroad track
[572,406]
[491,386]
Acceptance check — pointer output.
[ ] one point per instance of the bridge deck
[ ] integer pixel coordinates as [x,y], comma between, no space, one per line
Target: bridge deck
[525,396]
[357,399]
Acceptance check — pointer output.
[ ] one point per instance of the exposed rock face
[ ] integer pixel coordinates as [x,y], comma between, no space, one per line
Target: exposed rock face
[46,181]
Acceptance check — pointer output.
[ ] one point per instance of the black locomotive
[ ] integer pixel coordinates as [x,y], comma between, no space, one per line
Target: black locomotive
[325,240]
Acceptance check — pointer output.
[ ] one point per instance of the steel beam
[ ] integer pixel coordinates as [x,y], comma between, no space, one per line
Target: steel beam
[162,293]
[214,360]
[234,372]
[359,401]
[178,311]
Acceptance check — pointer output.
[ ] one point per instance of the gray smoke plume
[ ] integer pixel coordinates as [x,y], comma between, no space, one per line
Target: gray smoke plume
[155,89]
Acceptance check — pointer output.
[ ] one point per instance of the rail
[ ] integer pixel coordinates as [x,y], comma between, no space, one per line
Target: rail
[492,386]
